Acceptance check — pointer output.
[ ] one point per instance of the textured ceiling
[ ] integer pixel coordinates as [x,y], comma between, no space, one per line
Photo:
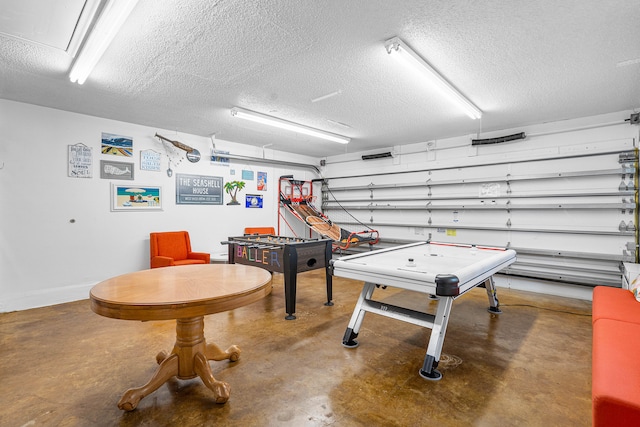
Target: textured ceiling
[182,64]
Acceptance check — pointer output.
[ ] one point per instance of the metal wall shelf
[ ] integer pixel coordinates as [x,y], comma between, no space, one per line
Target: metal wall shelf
[630,192]
[618,232]
[503,206]
[506,179]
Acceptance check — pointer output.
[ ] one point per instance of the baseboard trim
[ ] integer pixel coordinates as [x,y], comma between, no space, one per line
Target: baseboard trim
[45,297]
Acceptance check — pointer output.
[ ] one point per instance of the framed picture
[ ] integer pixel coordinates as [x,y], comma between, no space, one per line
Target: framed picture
[136,198]
[117,145]
[262,181]
[80,161]
[116,170]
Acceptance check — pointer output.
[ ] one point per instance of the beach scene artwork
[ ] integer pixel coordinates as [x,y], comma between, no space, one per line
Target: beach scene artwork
[117,145]
[136,198]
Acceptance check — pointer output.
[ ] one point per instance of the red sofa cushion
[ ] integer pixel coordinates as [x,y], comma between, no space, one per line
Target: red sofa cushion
[615,373]
[615,304]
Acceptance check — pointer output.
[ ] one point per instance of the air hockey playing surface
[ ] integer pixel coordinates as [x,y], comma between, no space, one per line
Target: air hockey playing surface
[422,266]
[441,270]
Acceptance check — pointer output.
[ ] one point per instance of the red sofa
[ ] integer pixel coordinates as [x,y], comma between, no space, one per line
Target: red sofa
[174,248]
[616,352]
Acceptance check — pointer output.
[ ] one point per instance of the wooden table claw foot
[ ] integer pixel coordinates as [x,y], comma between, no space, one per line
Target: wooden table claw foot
[214,352]
[220,389]
[168,368]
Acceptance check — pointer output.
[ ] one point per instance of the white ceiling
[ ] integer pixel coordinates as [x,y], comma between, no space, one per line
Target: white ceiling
[182,64]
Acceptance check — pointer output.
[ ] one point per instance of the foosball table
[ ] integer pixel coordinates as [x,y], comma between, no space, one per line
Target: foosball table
[286,255]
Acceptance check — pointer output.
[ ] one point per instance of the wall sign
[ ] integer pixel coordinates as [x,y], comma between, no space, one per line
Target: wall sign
[253,201]
[199,190]
[150,160]
[218,158]
[116,170]
[247,175]
[80,161]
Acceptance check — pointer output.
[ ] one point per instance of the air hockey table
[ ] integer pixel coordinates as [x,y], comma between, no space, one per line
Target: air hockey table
[441,271]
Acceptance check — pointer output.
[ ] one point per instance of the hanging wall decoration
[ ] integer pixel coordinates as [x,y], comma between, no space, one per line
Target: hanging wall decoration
[232,188]
[253,201]
[117,145]
[198,190]
[149,160]
[80,161]
[262,181]
[218,158]
[247,175]
[116,170]
[136,198]
[174,150]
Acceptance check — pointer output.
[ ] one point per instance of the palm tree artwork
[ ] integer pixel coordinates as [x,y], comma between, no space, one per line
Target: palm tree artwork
[232,188]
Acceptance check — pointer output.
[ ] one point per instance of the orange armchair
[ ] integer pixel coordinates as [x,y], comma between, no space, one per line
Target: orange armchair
[174,248]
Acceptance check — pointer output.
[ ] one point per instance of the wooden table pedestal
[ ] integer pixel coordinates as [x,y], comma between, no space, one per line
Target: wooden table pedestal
[188,359]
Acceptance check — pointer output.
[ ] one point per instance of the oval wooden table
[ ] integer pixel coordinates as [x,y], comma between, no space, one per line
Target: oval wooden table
[186,293]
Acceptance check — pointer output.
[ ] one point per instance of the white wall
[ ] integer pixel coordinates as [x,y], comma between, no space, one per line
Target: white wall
[58,235]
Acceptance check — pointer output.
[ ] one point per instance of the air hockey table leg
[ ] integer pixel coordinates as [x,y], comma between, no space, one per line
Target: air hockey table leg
[494,304]
[357,317]
[327,271]
[431,359]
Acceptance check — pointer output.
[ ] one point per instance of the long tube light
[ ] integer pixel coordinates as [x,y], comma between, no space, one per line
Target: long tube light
[400,49]
[113,15]
[284,124]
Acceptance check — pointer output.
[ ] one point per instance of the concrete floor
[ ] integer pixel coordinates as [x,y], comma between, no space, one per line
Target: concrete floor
[531,366]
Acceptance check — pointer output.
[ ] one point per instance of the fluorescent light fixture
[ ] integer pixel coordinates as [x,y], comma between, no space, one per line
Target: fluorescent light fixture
[284,124]
[113,15]
[83,25]
[399,49]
